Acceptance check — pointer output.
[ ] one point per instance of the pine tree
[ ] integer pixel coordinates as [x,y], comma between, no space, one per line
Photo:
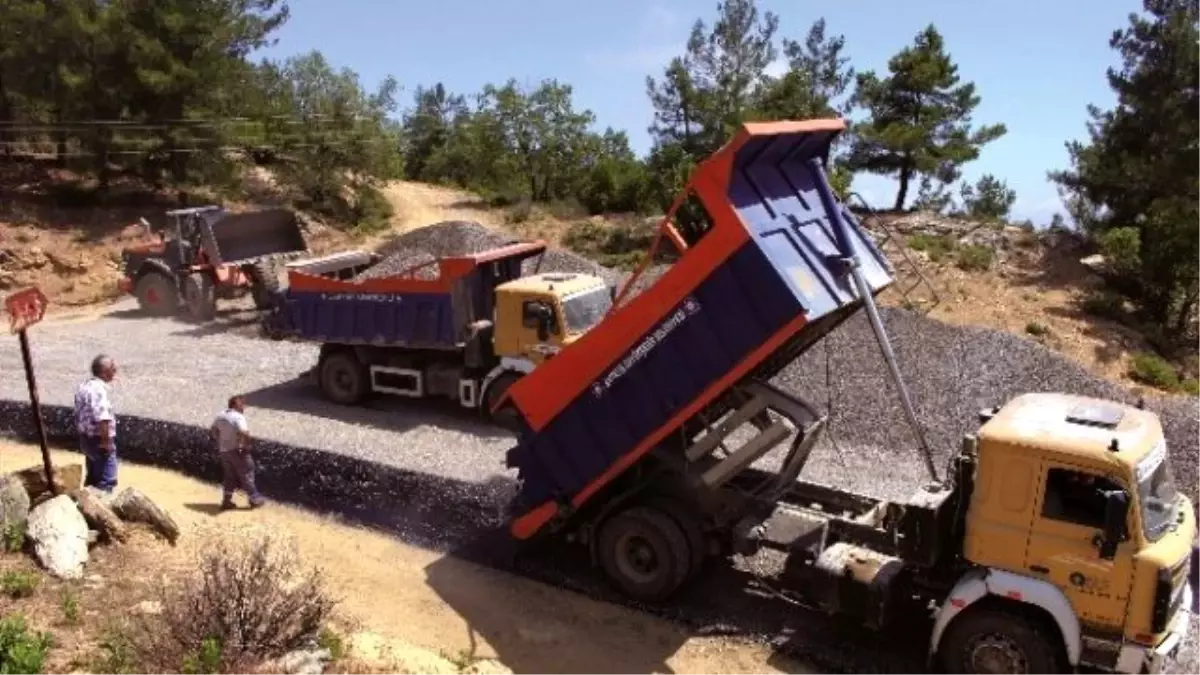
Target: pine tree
[989,198]
[919,117]
[1139,171]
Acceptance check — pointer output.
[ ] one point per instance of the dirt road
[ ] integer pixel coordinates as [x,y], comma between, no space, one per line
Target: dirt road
[438,613]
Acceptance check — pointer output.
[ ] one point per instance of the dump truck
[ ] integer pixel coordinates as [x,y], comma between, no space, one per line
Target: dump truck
[208,253]
[1056,538]
[459,327]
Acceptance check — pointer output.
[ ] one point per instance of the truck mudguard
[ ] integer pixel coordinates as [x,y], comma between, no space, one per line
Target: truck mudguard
[981,583]
[400,310]
[760,286]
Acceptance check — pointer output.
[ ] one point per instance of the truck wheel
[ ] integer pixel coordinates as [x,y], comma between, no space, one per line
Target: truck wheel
[156,294]
[645,553]
[264,283]
[689,523]
[997,641]
[343,378]
[507,417]
[200,295]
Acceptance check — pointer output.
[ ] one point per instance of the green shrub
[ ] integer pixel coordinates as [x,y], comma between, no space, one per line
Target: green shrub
[938,248]
[1154,370]
[207,659]
[1190,385]
[70,605]
[18,584]
[21,650]
[118,653]
[975,258]
[372,212]
[1106,305]
[520,213]
[1037,329]
[334,642]
[13,537]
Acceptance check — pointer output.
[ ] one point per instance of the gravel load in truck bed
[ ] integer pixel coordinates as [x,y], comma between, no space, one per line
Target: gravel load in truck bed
[460,237]
[401,260]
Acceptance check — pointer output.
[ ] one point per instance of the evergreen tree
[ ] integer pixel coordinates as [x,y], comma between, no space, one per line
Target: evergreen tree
[919,117]
[989,198]
[1136,183]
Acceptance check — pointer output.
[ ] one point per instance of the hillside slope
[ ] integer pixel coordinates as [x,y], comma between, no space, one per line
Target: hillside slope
[1003,278]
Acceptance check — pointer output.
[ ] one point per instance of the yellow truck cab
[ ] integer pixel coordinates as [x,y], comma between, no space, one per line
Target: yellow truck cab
[1075,529]
[538,315]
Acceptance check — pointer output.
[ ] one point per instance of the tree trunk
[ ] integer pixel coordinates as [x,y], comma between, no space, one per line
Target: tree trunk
[905,176]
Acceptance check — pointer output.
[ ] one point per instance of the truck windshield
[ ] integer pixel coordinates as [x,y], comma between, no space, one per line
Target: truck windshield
[1156,492]
[584,310]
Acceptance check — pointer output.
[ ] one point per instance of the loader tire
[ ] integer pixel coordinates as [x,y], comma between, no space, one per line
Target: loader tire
[264,283]
[645,553]
[157,294]
[996,640]
[200,296]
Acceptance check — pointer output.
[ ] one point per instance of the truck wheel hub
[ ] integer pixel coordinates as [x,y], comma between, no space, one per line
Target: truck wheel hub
[638,560]
[997,654]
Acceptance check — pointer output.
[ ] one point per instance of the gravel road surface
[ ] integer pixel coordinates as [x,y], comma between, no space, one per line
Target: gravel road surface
[435,475]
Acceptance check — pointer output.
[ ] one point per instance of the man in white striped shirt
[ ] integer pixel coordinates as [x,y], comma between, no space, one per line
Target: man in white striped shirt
[97,426]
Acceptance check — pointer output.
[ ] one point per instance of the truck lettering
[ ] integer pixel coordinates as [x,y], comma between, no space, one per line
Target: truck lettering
[689,307]
[374,297]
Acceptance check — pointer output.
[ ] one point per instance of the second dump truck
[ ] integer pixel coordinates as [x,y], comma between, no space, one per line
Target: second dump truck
[1056,539]
[459,327]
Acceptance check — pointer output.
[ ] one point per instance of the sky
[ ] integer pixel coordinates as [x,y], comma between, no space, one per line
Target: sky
[1036,64]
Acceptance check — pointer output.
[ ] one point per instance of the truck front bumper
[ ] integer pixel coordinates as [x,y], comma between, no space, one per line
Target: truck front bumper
[1139,659]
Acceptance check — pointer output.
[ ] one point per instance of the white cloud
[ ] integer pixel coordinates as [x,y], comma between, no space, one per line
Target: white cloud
[777,68]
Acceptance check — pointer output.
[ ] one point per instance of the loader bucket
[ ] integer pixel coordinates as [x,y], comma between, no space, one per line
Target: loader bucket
[240,238]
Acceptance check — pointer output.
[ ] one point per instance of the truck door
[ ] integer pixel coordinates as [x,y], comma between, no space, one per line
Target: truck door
[541,329]
[1064,544]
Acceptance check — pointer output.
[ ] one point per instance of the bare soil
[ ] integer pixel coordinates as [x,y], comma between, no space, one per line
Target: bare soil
[404,609]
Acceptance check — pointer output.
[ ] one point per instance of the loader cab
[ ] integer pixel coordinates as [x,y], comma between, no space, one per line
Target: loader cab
[537,315]
[1077,494]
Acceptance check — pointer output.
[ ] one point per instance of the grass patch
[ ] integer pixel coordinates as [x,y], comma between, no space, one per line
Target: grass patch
[612,246]
[17,585]
[975,258]
[1190,385]
[1037,329]
[22,650]
[937,247]
[69,603]
[1155,371]
[13,537]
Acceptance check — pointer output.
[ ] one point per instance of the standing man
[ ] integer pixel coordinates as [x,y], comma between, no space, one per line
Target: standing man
[231,434]
[97,426]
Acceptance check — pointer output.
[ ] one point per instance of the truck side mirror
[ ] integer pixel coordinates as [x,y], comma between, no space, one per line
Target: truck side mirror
[1116,508]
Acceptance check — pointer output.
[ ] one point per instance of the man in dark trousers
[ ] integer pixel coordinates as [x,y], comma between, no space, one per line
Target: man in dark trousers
[231,434]
[97,426]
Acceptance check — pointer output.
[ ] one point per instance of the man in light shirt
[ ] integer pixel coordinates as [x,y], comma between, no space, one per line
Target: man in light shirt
[97,426]
[231,433]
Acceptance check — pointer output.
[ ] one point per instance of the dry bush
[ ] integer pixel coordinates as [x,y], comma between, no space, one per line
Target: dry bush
[245,601]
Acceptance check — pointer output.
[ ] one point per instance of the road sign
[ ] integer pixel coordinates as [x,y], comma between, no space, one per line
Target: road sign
[25,308]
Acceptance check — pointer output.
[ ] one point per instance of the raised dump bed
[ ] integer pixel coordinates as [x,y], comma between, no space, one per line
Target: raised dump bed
[763,281]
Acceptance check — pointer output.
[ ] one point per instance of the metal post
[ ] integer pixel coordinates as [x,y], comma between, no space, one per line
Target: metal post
[36,407]
[850,258]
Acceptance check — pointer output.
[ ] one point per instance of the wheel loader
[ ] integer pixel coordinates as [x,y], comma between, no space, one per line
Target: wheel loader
[208,253]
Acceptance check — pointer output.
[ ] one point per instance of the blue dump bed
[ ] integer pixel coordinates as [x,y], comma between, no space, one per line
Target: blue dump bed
[765,282]
[406,310]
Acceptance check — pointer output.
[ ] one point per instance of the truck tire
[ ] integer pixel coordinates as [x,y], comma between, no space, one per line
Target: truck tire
[264,282]
[689,523]
[157,294]
[993,640]
[200,296]
[343,378]
[645,553]
[507,417]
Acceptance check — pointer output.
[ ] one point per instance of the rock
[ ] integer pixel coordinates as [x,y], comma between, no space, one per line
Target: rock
[133,506]
[97,513]
[60,537]
[67,478]
[1096,263]
[303,662]
[93,537]
[148,607]
[14,505]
